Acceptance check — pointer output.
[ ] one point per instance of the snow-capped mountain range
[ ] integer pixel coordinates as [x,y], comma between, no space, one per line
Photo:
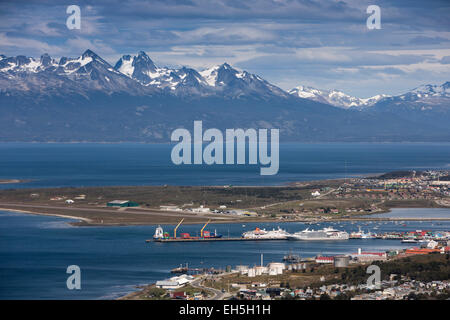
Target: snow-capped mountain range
[134,74]
[222,78]
[139,75]
[88,99]
[334,97]
[340,99]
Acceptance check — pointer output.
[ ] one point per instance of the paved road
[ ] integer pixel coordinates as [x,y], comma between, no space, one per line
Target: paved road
[109,210]
[218,295]
[324,194]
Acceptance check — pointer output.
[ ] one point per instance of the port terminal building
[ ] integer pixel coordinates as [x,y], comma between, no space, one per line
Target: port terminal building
[122,203]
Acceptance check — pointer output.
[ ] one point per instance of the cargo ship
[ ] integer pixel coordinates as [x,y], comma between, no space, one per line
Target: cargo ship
[204,234]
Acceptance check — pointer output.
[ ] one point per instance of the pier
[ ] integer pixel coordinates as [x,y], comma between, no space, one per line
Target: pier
[210,239]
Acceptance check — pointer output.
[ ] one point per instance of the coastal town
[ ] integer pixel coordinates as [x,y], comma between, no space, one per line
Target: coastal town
[329,203]
[340,277]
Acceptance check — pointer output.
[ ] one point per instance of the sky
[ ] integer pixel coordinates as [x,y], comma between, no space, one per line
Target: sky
[322,43]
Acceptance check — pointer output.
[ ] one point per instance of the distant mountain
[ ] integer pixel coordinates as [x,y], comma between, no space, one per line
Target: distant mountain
[178,81]
[87,99]
[425,104]
[335,97]
[425,94]
[222,80]
[79,75]
[428,91]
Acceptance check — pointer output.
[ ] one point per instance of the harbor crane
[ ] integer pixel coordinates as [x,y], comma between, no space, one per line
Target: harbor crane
[175,230]
[201,231]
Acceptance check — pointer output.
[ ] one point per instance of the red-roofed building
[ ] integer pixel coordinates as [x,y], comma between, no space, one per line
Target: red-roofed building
[178,295]
[421,250]
[324,259]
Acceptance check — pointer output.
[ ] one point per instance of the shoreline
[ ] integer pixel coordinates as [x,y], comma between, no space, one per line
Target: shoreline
[86,222]
[338,200]
[11,181]
[48,214]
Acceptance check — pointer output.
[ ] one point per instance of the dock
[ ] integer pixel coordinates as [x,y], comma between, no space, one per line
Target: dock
[161,236]
[210,239]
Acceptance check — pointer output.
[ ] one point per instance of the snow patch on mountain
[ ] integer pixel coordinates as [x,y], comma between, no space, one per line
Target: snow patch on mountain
[430,90]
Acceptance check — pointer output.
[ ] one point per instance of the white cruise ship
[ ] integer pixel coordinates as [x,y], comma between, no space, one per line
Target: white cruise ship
[266,234]
[324,234]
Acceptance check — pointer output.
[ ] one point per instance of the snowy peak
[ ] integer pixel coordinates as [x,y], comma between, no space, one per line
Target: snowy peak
[335,97]
[210,75]
[225,74]
[236,83]
[142,69]
[19,64]
[139,67]
[46,60]
[430,90]
[125,65]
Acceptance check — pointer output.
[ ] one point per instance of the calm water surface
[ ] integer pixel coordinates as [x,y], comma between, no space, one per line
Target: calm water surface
[90,164]
[36,250]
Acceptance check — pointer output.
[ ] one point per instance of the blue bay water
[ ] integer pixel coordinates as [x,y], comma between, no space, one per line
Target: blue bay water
[90,164]
[36,250]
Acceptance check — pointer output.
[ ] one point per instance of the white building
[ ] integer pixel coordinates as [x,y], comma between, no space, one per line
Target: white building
[432,244]
[174,282]
[170,208]
[242,269]
[251,273]
[201,209]
[276,268]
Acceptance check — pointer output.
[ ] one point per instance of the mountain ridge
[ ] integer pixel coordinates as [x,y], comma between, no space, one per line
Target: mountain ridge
[88,99]
[142,69]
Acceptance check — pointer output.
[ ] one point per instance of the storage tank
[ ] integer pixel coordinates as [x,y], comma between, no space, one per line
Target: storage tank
[260,270]
[276,267]
[341,261]
[242,269]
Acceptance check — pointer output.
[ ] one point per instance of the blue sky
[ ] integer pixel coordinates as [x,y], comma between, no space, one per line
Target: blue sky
[323,43]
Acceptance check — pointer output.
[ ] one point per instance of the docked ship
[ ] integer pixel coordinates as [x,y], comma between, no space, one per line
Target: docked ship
[214,235]
[323,234]
[361,235]
[266,234]
[409,240]
[292,258]
[159,233]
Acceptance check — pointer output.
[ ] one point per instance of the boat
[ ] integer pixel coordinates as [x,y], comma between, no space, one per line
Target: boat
[323,234]
[409,241]
[159,234]
[292,258]
[361,235]
[209,235]
[266,234]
